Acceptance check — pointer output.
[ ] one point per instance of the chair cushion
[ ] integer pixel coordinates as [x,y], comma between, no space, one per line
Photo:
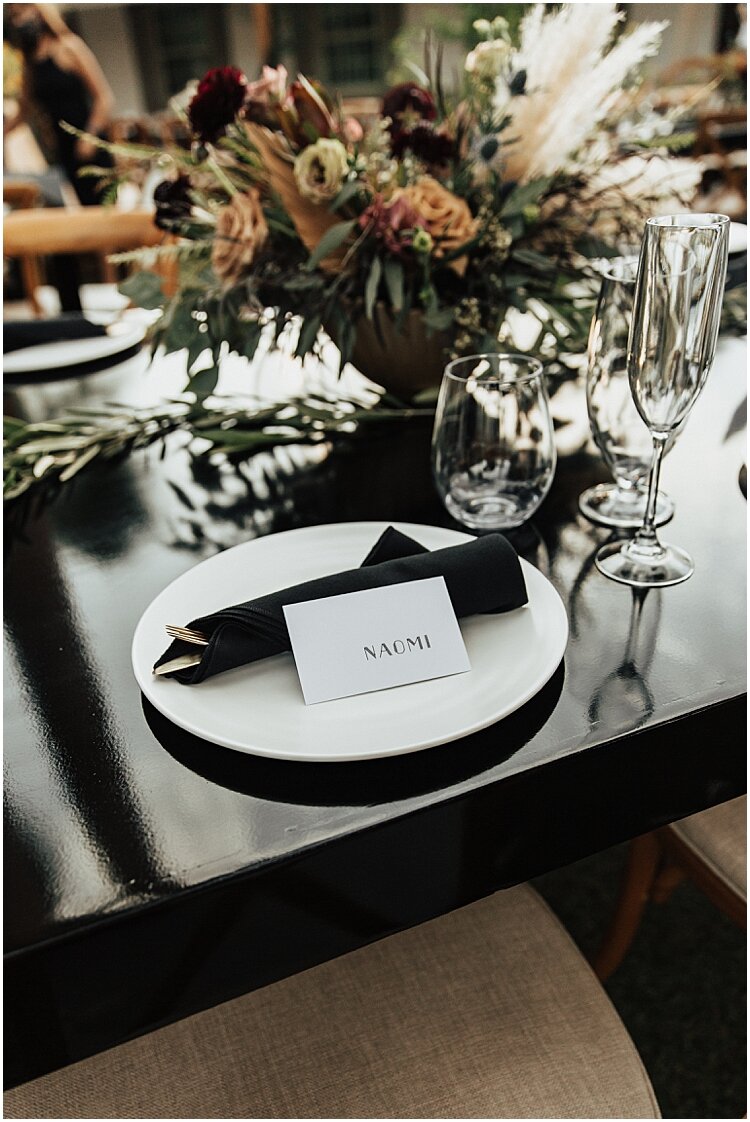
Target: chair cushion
[487,1012]
[718,836]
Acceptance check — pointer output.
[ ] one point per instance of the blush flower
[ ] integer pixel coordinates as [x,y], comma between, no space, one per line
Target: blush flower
[220,96]
[264,94]
[271,86]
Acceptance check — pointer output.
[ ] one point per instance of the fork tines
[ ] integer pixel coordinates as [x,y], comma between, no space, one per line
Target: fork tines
[187,634]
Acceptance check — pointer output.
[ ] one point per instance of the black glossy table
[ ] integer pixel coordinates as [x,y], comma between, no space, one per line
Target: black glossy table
[150,875]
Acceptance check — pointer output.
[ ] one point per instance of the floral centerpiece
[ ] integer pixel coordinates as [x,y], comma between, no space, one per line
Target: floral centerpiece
[424,233]
[436,228]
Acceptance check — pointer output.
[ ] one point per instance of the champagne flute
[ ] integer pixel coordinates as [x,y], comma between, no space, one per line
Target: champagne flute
[620,435]
[673,334]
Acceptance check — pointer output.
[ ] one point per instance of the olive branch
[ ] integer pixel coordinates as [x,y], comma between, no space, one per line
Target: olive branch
[40,457]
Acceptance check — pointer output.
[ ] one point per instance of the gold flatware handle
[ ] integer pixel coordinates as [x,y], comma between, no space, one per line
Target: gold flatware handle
[184,662]
[187,634]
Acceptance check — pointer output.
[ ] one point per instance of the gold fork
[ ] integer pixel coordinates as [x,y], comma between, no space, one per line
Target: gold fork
[187,634]
[184,662]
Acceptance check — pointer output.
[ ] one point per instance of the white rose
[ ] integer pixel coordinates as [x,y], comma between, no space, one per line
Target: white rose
[319,170]
[488,59]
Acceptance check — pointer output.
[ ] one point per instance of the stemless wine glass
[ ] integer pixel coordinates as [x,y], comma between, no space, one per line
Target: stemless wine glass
[618,430]
[493,448]
[673,336]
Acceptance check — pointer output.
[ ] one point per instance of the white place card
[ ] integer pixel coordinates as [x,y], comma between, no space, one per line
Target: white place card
[372,640]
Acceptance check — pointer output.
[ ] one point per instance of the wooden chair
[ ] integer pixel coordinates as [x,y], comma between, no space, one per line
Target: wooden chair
[694,80]
[723,136]
[92,229]
[25,195]
[487,1012]
[710,848]
[70,231]
[703,69]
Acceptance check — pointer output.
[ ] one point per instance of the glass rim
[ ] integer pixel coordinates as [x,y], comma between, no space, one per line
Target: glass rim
[608,273]
[696,220]
[515,356]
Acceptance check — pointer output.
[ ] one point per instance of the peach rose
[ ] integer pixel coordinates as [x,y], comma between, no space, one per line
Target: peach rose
[241,231]
[447,218]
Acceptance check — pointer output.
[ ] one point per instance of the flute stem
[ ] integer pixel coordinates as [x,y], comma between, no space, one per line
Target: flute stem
[645,544]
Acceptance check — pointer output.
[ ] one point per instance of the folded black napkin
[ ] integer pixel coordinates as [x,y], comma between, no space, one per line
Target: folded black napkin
[483,575]
[33,332]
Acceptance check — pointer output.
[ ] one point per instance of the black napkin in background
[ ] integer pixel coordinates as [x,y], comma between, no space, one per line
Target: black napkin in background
[483,575]
[33,332]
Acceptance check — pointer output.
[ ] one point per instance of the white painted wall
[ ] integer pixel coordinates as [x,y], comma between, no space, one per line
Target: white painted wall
[692,31]
[241,40]
[107,31]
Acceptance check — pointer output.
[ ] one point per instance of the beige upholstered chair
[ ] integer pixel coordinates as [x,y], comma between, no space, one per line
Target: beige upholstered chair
[710,848]
[487,1012]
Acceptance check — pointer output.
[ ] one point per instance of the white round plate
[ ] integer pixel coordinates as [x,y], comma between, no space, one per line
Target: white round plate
[74,352]
[259,708]
[737,237]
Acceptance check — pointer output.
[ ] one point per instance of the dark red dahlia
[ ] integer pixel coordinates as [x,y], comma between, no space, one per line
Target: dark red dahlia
[408,103]
[172,202]
[425,142]
[220,95]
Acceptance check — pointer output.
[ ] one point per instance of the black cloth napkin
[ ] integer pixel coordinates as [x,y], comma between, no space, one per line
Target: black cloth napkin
[33,332]
[483,575]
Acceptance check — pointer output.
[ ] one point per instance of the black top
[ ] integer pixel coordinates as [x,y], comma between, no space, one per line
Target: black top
[61,95]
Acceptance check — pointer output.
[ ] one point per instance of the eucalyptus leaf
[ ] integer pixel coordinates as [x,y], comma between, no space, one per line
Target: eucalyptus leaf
[347,192]
[439,319]
[394,282]
[534,260]
[307,336]
[144,290]
[334,237]
[372,285]
[203,383]
[251,332]
[591,246]
[524,195]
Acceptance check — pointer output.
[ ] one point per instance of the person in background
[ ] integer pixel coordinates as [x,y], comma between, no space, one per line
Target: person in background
[61,82]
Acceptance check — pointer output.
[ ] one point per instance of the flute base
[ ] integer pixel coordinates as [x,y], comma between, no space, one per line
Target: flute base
[608,505]
[656,567]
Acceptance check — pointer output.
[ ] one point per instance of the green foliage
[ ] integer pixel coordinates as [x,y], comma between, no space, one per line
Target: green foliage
[334,237]
[371,288]
[144,290]
[393,271]
[451,24]
[39,457]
